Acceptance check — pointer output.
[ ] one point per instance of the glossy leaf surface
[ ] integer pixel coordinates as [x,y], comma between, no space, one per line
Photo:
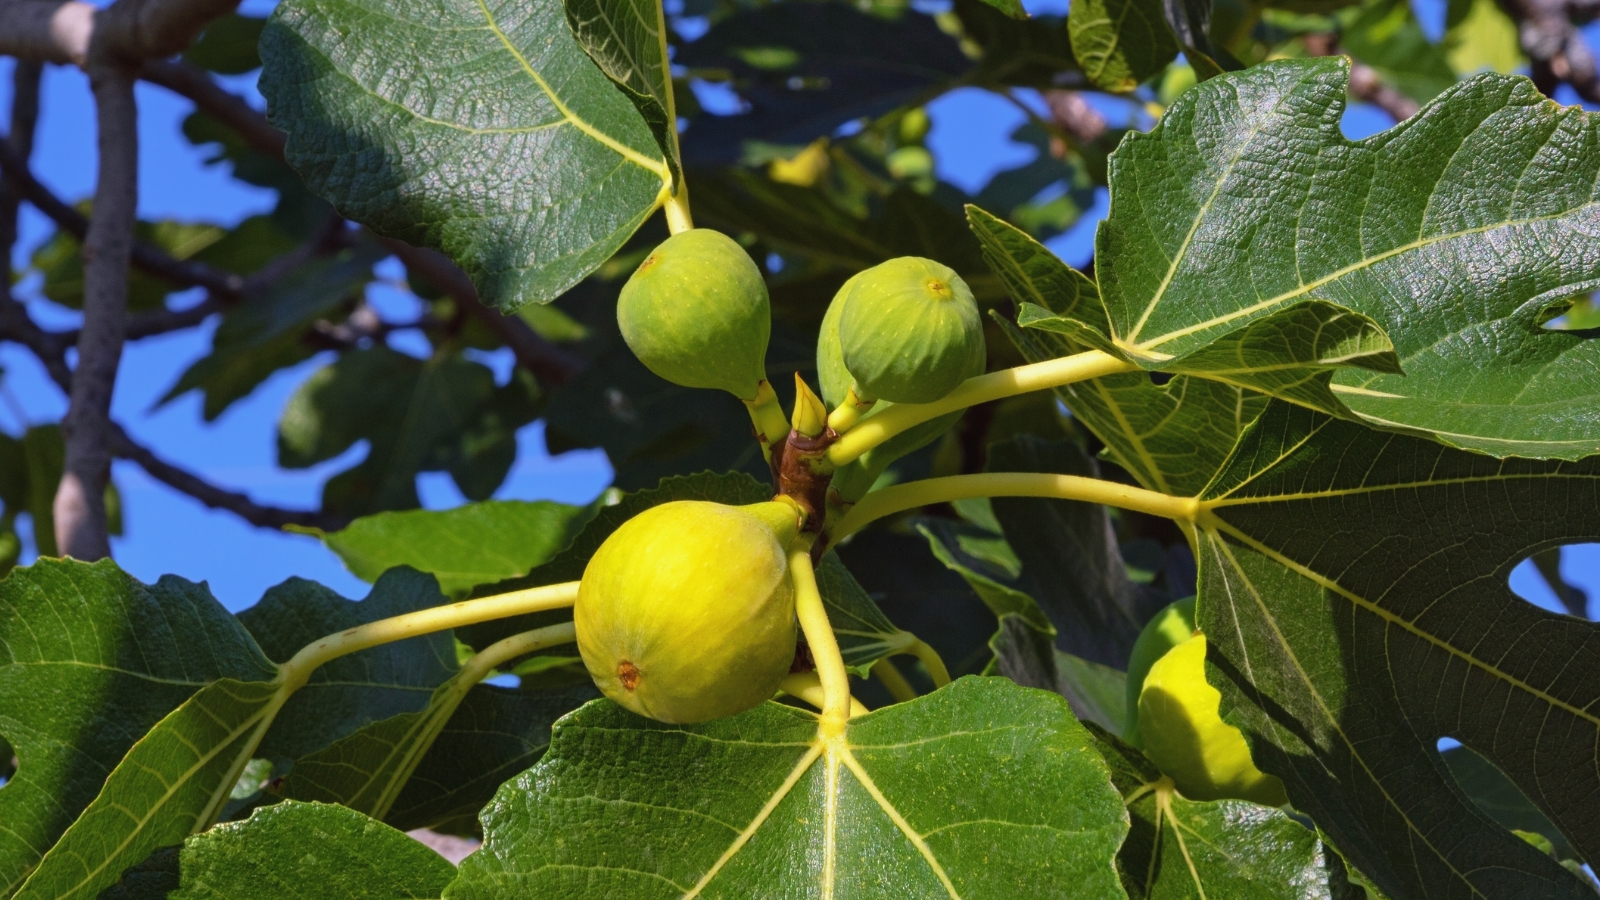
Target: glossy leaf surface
[1456,232]
[1359,659]
[479,129]
[982,789]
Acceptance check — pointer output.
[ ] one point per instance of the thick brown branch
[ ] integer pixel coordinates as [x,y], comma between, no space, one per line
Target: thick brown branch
[127,31]
[1368,86]
[215,497]
[80,512]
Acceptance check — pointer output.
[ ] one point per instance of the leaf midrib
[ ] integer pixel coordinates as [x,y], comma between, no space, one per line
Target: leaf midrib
[659,167]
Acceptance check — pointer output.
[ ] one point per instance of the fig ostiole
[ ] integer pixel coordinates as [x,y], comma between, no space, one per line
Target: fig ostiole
[686,613]
[909,331]
[841,393]
[696,313]
[1184,735]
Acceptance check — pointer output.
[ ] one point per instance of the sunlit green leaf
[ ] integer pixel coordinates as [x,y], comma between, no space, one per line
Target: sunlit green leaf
[172,783]
[1453,231]
[479,543]
[1179,849]
[980,790]
[308,851]
[479,129]
[627,39]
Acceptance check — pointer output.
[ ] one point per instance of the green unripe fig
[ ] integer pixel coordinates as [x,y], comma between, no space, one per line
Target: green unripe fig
[910,331]
[854,480]
[696,313]
[686,612]
[1184,735]
[1167,629]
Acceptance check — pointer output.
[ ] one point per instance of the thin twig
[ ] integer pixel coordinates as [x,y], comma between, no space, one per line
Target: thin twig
[194,83]
[179,272]
[215,497]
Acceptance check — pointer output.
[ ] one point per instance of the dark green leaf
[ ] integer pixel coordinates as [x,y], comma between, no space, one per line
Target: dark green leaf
[1120,43]
[480,130]
[172,783]
[360,688]
[268,331]
[982,789]
[90,660]
[1247,199]
[494,734]
[478,543]
[1500,799]
[807,68]
[1360,658]
[627,39]
[417,415]
[308,851]
[60,261]
[228,45]
[1180,848]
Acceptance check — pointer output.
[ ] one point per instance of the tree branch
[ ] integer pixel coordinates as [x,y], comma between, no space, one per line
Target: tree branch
[215,497]
[1555,48]
[80,513]
[127,31]
[194,83]
[539,356]
[179,272]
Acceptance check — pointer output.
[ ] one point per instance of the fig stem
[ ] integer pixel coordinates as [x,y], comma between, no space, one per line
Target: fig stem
[677,210]
[808,687]
[831,673]
[398,628]
[901,497]
[472,671]
[893,682]
[931,661]
[766,414]
[1037,376]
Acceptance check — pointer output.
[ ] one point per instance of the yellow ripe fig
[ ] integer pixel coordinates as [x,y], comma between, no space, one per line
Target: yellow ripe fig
[686,612]
[1184,735]
[696,312]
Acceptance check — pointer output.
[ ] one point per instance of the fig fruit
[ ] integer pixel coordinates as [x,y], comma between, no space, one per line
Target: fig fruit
[909,331]
[686,612]
[853,481]
[696,313]
[1166,629]
[1184,735]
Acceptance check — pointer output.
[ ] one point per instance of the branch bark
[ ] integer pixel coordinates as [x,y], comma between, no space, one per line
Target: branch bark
[80,511]
[128,31]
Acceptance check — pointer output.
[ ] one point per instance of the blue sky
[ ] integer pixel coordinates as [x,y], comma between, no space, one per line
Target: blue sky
[168,532]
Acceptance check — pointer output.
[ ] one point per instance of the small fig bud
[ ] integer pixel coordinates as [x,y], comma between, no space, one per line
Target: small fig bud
[910,331]
[686,612]
[696,313]
[1184,735]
